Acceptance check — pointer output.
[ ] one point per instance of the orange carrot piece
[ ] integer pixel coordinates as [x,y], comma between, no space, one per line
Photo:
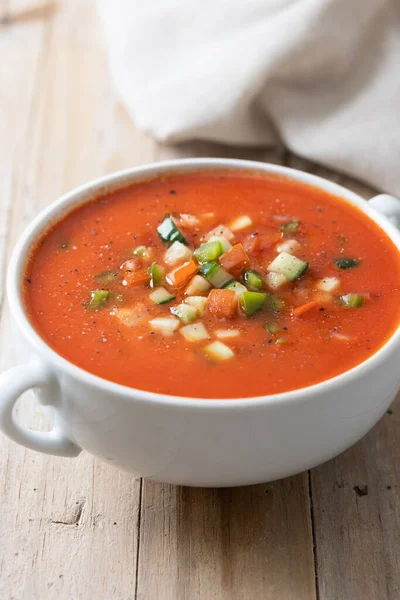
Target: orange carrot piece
[303,308]
[235,260]
[222,303]
[139,277]
[181,275]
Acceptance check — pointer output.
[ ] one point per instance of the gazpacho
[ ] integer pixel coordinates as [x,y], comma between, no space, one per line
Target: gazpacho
[215,284]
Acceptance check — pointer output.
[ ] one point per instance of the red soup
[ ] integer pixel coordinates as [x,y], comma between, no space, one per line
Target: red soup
[215,285]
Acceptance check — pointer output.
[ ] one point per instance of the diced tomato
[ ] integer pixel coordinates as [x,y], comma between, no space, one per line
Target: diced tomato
[235,260]
[139,277]
[257,242]
[222,303]
[221,230]
[181,275]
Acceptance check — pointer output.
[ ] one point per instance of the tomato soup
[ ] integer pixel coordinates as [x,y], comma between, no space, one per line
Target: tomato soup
[215,285]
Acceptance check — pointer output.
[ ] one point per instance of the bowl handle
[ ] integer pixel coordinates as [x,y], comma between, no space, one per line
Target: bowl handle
[388,206]
[15,382]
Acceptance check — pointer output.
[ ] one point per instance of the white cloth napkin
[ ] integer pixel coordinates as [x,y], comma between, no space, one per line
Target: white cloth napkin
[323,75]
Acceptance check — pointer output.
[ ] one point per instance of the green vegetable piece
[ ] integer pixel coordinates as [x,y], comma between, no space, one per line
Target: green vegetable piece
[352,300]
[157,275]
[251,302]
[169,232]
[107,277]
[272,328]
[346,263]
[98,298]
[274,303]
[236,287]
[185,313]
[253,280]
[290,227]
[215,274]
[281,341]
[208,252]
[140,251]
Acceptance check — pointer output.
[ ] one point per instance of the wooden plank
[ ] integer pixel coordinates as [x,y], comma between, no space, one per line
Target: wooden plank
[68,527]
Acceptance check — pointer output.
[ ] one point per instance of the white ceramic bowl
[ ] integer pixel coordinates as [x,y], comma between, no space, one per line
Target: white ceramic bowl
[191,441]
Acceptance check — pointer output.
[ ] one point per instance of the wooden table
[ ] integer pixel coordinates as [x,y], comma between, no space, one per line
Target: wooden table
[79,529]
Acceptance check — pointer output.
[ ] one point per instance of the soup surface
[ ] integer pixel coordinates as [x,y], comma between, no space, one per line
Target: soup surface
[215,285]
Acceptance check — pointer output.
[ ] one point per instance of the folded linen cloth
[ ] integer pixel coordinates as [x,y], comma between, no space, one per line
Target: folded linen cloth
[323,75]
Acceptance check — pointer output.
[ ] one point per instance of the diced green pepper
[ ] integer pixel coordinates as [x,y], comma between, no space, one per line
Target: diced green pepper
[140,251]
[352,300]
[346,263]
[251,302]
[208,252]
[272,328]
[253,280]
[107,277]
[169,232]
[157,275]
[98,298]
[290,227]
[275,303]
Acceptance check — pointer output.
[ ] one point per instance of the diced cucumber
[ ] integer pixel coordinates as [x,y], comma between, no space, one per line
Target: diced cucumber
[208,252]
[251,302]
[140,251]
[236,287]
[177,253]
[218,351]
[352,300]
[165,325]
[169,232]
[273,302]
[221,230]
[226,245]
[223,334]
[98,298]
[288,246]
[107,277]
[199,302]
[253,280]
[161,296]
[346,263]
[197,286]
[157,275]
[185,313]
[241,223]
[272,328]
[215,274]
[290,226]
[328,284]
[288,265]
[130,316]
[275,280]
[196,332]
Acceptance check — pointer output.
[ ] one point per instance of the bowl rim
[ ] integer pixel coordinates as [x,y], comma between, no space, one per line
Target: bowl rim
[123,178]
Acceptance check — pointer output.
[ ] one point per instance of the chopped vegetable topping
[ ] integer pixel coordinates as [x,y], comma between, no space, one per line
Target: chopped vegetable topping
[185,313]
[141,251]
[198,286]
[221,230]
[241,223]
[196,332]
[218,351]
[237,287]
[132,316]
[98,298]
[300,310]
[222,303]
[226,245]
[276,280]
[226,333]
[290,227]
[169,232]
[352,300]
[251,302]
[165,325]
[157,275]
[209,251]
[235,260]
[215,274]
[272,328]
[288,265]
[346,263]
[288,246]
[181,275]
[177,254]
[253,280]
[328,284]
[161,296]
[199,302]
[258,242]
